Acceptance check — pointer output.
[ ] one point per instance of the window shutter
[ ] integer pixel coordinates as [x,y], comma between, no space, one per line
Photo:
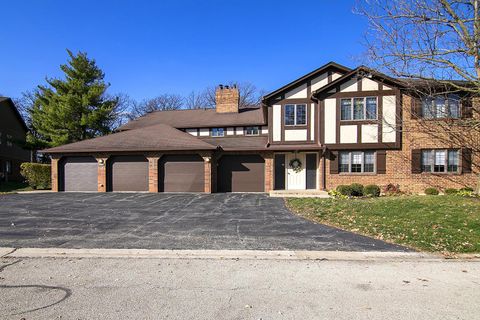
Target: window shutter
[334,162]
[416,161]
[381,162]
[466,160]
[416,111]
[466,104]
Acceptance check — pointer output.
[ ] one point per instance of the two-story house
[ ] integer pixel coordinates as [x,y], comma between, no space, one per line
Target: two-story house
[332,126]
[12,135]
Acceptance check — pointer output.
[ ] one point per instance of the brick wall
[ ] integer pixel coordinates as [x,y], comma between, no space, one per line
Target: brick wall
[226,99]
[419,134]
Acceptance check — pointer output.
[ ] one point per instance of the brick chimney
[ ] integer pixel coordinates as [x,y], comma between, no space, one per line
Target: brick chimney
[226,99]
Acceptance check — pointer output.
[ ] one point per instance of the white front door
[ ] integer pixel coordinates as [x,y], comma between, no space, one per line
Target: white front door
[296,180]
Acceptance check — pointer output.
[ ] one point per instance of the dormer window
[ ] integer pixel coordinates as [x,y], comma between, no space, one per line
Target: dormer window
[441,107]
[295,114]
[218,132]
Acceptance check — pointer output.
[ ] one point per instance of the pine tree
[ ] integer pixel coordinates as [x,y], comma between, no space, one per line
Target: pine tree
[75,108]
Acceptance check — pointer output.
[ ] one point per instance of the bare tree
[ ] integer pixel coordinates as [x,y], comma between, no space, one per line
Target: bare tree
[434,47]
[195,101]
[161,102]
[249,94]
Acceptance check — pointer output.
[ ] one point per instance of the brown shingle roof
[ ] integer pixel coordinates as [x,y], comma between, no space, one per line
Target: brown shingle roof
[240,143]
[199,118]
[153,138]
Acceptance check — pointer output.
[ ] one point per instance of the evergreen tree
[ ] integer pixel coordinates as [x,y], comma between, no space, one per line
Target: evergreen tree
[75,108]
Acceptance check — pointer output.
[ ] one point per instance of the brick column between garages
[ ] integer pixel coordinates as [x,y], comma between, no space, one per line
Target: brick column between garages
[54,172]
[207,160]
[153,173]
[268,171]
[102,173]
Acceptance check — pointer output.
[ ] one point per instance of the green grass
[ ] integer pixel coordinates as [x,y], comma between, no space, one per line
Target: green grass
[11,186]
[448,224]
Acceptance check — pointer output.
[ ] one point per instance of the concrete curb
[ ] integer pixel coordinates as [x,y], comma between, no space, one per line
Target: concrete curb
[222,254]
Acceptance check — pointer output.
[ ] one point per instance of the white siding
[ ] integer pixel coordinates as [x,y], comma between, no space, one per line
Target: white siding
[319,81]
[349,86]
[312,121]
[336,76]
[297,93]
[348,134]
[204,132]
[239,131]
[277,122]
[386,88]
[330,120]
[369,133]
[230,131]
[369,85]
[389,119]
[193,132]
[265,130]
[296,135]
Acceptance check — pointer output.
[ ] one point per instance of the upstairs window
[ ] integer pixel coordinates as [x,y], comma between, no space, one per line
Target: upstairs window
[295,114]
[439,161]
[356,162]
[218,132]
[9,140]
[441,107]
[358,108]
[252,131]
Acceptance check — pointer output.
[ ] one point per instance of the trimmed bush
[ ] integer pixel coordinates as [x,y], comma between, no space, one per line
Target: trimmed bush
[372,190]
[357,189]
[345,190]
[38,175]
[451,191]
[431,191]
[466,189]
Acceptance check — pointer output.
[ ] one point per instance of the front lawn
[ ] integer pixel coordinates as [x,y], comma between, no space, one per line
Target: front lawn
[12,186]
[448,224]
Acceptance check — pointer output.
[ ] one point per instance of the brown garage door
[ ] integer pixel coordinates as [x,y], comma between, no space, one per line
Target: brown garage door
[127,173]
[181,173]
[241,173]
[78,174]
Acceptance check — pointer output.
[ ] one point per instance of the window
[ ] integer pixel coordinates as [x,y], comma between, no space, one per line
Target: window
[8,167]
[252,131]
[9,140]
[218,132]
[358,108]
[439,161]
[441,107]
[295,114]
[357,162]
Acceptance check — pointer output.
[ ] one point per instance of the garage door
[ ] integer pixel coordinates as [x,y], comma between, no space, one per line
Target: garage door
[181,173]
[78,174]
[127,173]
[241,173]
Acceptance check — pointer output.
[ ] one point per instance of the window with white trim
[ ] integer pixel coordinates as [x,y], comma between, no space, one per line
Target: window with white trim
[356,162]
[218,132]
[441,107]
[295,114]
[358,108]
[252,131]
[8,166]
[438,161]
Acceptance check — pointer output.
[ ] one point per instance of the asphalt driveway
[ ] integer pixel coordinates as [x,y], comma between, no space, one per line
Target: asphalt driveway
[167,221]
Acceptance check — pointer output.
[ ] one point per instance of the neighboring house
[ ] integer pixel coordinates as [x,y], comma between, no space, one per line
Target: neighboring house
[12,134]
[332,126]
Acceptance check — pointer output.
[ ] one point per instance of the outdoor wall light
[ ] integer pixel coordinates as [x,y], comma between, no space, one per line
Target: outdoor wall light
[101,162]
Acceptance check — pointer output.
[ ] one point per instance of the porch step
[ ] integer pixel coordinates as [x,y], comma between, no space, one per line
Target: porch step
[299,194]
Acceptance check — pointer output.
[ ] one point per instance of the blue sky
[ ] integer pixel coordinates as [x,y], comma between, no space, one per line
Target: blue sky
[151,47]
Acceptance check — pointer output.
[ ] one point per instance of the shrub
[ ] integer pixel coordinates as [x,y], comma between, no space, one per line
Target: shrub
[345,190]
[357,189]
[38,175]
[466,193]
[451,191]
[467,189]
[372,190]
[391,189]
[336,195]
[431,191]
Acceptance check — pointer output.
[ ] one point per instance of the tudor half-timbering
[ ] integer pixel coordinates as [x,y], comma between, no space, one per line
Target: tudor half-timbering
[332,126]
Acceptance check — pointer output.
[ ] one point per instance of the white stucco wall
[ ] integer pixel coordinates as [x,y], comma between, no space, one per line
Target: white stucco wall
[319,81]
[389,119]
[204,132]
[230,131]
[330,120]
[348,134]
[193,132]
[349,86]
[297,93]
[265,130]
[312,121]
[369,85]
[239,131]
[369,133]
[296,135]
[277,122]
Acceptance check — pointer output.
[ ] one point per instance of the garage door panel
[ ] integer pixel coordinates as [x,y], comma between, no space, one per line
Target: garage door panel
[181,173]
[79,174]
[128,173]
[241,173]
